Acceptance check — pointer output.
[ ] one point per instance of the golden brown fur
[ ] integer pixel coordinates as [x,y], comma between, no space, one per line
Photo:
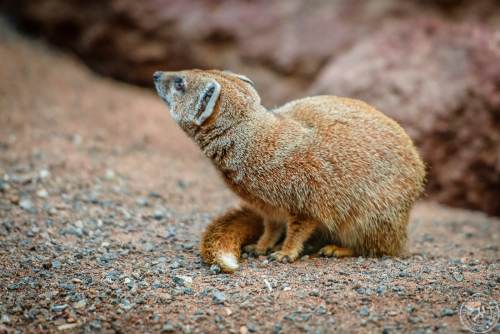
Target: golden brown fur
[228,233]
[324,163]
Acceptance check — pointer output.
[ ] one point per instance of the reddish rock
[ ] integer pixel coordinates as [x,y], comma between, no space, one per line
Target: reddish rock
[442,83]
[282,45]
[275,43]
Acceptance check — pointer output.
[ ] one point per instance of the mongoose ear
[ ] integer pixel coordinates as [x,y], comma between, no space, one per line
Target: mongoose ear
[206,102]
[241,77]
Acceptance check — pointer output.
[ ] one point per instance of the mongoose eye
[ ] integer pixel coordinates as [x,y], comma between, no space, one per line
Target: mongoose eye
[179,85]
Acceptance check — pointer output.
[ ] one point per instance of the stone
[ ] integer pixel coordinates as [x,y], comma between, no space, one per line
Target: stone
[126,305]
[168,327]
[5,319]
[44,173]
[218,297]
[80,304]
[110,174]
[459,277]
[159,214]
[364,311]
[185,281]
[42,193]
[215,269]
[314,293]
[59,307]
[56,264]
[26,204]
[447,312]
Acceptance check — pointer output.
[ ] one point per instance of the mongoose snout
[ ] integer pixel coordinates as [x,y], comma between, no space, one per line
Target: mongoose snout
[323,164]
[157,75]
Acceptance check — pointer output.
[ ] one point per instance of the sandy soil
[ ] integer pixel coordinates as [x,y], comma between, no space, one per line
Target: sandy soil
[102,203]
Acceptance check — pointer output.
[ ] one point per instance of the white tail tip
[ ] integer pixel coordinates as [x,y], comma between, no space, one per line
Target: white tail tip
[228,262]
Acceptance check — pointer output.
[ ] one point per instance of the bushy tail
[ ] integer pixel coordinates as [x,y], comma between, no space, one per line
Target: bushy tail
[226,235]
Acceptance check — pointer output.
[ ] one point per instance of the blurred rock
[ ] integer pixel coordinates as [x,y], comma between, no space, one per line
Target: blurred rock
[281,45]
[442,83]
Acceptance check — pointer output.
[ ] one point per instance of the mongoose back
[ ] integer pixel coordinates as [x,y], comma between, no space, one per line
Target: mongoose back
[331,165]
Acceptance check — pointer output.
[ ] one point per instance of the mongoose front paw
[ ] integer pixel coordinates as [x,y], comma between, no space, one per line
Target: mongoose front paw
[250,249]
[283,257]
[255,250]
[335,251]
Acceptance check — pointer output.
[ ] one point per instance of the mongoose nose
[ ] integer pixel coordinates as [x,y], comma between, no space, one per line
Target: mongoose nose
[157,75]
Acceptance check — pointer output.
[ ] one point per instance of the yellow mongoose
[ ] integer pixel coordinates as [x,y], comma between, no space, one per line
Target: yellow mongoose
[322,164]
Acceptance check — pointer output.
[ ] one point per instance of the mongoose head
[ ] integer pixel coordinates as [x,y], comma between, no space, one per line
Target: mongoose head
[198,98]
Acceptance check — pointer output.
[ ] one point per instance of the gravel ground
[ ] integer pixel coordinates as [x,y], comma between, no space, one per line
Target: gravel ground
[102,203]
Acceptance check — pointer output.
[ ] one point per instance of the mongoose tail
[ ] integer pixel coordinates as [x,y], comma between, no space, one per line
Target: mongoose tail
[223,239]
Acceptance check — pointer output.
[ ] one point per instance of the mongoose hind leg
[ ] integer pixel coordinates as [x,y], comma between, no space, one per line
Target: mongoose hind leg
[273,231]
[298,231]
[335,251]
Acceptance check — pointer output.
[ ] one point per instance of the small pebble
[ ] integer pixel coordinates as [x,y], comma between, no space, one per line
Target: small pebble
[126,305]
[170,233]
[218,297]
[268,285]
[158,214]
[110,174]
[44,173]
[56,264]
[142,201]
[414,320]
[42,193]
[185,281]
[364,311]
[458,276]
[5,319]
[447,312]
[26,204]
[68,326]
[80,304]
[168,327]
[215,269]
[252,328]
[59,307]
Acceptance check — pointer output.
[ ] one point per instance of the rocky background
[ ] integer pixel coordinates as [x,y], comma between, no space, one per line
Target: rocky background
[103,198]
[432,65]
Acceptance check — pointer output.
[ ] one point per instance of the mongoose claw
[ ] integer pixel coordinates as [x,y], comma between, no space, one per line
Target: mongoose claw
[250,249]
[254,250]
[335,251]
[282,257]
